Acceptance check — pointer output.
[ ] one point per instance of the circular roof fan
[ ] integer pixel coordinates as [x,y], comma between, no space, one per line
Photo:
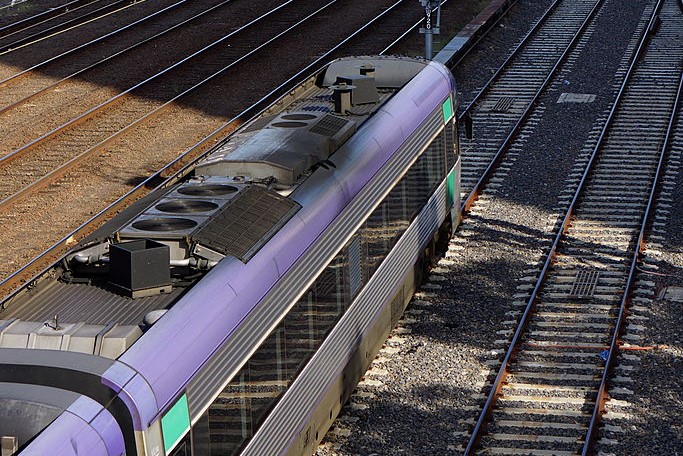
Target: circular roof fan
[164,224]
[298,117]
[289,124]
[207,190]
[186,206]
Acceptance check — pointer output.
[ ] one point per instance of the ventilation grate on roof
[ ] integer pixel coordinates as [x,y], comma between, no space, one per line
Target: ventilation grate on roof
[317,108]
[329,125]
[584,283]
[247,223]
[503,104]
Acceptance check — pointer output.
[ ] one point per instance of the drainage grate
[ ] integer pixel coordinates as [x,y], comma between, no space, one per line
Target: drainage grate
[503,104]
[584,283]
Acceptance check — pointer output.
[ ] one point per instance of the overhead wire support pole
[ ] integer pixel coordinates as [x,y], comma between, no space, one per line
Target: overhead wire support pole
[429,30]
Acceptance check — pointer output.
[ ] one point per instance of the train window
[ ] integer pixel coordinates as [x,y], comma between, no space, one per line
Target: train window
[183,448]
[388,222]
[244,403]
[201,441]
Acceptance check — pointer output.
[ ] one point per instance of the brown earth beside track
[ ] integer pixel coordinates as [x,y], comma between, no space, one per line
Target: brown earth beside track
[125,162]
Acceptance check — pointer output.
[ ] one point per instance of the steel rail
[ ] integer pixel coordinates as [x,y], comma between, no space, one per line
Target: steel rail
[67,25]
[599,407]
[166,176]
[497,386]
[417,24]
[115,55]
[119,97]
[42,16]
[483,180]
[11,5]
[508,61]
[89,43]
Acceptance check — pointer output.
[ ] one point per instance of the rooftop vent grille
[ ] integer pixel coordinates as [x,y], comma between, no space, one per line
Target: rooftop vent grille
[164,224]
[207,189]
[329,126]
[289,124]
[247,223]
[317,108]
[186,206]
[298,116]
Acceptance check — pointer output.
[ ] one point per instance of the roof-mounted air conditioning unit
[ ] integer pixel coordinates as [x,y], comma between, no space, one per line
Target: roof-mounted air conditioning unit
[285,148]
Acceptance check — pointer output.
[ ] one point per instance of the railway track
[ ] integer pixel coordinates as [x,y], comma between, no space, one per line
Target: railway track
[63,98]
[54,192]
[35,52]
[43,15]
[550,391]
[88,132]
[50,22]
[98,86]
[188,107]
[34,81]
[509,97]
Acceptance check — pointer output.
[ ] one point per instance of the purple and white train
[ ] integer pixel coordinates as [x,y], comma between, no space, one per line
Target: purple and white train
[234,311]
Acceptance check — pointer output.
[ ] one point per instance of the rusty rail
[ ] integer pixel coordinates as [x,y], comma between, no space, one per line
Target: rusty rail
[508,60]
[43,16]
[80,47]
[498,383]
[599,408]
[71,23]
[128,92]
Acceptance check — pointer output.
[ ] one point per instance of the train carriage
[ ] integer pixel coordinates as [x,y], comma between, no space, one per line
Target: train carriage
[234,311]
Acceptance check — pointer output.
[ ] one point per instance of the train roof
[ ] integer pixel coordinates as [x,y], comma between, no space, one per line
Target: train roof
[244,182]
